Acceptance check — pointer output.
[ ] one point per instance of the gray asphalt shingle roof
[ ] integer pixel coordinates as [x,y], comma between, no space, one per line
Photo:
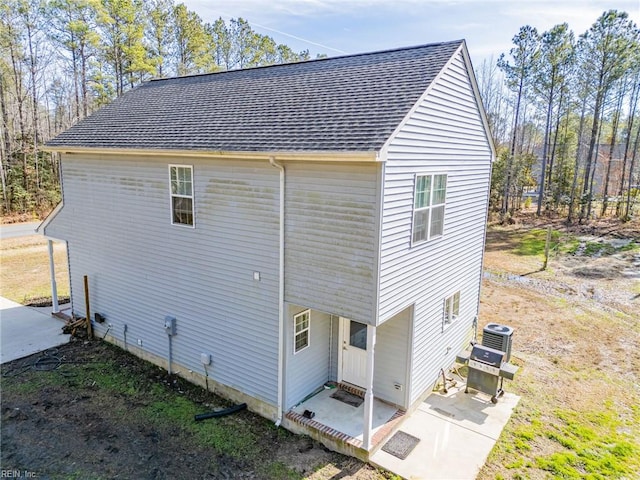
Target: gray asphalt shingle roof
[350,103]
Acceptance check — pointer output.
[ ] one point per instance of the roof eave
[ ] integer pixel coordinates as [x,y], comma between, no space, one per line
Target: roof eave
[304,155]
[41,229]
[476,91]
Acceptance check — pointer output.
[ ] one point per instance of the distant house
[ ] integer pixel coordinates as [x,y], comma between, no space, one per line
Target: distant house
[307,223]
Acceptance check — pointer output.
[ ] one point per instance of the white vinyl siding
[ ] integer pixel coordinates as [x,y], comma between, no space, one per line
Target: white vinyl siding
[443,136]
[309,369]
[120,237]
[393,341]
[181,188]
[331,245]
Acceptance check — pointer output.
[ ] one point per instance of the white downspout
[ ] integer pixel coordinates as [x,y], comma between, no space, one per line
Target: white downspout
[55,308]
[273,163]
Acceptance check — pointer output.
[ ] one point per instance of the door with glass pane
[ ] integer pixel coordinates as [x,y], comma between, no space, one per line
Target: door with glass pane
[354,352]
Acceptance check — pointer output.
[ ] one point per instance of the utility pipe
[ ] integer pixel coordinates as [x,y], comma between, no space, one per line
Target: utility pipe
[272,161]
[87,308]
[170,356]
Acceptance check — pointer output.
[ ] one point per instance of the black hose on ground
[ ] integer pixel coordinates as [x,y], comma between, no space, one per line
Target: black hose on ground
[220,413]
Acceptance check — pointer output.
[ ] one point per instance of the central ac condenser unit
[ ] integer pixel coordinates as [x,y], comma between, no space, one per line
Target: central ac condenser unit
[499,337]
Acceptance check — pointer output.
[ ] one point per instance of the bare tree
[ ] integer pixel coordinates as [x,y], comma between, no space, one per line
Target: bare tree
[633,105]
[612,143]
[524,55]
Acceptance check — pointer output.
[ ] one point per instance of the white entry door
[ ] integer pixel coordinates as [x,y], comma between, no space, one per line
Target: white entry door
[354,352]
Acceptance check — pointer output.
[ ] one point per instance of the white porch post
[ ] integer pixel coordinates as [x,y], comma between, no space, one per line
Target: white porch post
[368,396]
[52,269]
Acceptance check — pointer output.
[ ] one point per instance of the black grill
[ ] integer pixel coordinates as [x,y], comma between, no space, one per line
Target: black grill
[488,363]
[487,356]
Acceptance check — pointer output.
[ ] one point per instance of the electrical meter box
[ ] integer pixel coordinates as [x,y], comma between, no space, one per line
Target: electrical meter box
[170,325]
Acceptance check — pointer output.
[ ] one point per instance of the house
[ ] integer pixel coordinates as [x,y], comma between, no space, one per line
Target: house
[295,225]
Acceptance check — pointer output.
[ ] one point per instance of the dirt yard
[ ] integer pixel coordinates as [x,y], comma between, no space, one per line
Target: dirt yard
[89,410]
[577,342]
[102,413]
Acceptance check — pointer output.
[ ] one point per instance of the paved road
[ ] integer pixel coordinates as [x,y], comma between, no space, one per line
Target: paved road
[18,229]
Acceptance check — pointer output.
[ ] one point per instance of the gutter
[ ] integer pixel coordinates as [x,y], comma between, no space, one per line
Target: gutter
[301,155]
[272,161]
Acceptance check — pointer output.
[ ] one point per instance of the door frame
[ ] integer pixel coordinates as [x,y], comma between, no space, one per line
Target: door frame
[341,341]
[341,321]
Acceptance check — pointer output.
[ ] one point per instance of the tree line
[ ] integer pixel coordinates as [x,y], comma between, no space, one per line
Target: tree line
[564,116]
[562,109]
[60,60]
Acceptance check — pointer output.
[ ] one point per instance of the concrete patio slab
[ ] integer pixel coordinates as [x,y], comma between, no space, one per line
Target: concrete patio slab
[25,331]
[345,418]
[456,430]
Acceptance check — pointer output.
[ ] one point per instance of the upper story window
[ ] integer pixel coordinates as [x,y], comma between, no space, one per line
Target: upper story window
[181,178]
[451,308]
[428,207]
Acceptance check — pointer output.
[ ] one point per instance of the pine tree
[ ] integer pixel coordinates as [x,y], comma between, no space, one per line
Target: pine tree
[193,43]
[607,48]
[556,56]
[518,78]
[72,26]
[160,32]
[122,28]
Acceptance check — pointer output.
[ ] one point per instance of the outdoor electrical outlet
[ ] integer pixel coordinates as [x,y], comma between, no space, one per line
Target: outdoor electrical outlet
[205,358]
[111,325]
[139,342]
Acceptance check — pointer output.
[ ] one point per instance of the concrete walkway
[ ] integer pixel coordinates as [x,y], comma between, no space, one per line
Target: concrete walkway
[25,330]
[456,431]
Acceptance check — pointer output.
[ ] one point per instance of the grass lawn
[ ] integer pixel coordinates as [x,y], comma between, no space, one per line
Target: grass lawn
[25,276]
[579,415]
[579,378]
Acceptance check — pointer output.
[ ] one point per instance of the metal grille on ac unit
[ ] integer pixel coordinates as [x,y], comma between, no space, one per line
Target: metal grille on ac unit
[498,337]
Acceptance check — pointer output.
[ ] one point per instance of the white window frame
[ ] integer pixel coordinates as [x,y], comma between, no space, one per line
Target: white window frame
[451,310]
[178,195]
[306,330]
[428,209]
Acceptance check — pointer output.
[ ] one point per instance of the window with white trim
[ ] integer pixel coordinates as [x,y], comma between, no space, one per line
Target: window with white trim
[181,180]
[301,324]
[451,308]
[428,207]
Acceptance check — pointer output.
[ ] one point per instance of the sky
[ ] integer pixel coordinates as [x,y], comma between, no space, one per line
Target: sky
[338,27]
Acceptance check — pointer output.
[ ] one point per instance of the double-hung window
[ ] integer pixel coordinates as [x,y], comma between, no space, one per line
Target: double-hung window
[428,207]
[181,179]
[451,308]
[301,331]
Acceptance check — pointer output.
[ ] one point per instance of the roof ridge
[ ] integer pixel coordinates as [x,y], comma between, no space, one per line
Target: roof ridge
[311,60]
